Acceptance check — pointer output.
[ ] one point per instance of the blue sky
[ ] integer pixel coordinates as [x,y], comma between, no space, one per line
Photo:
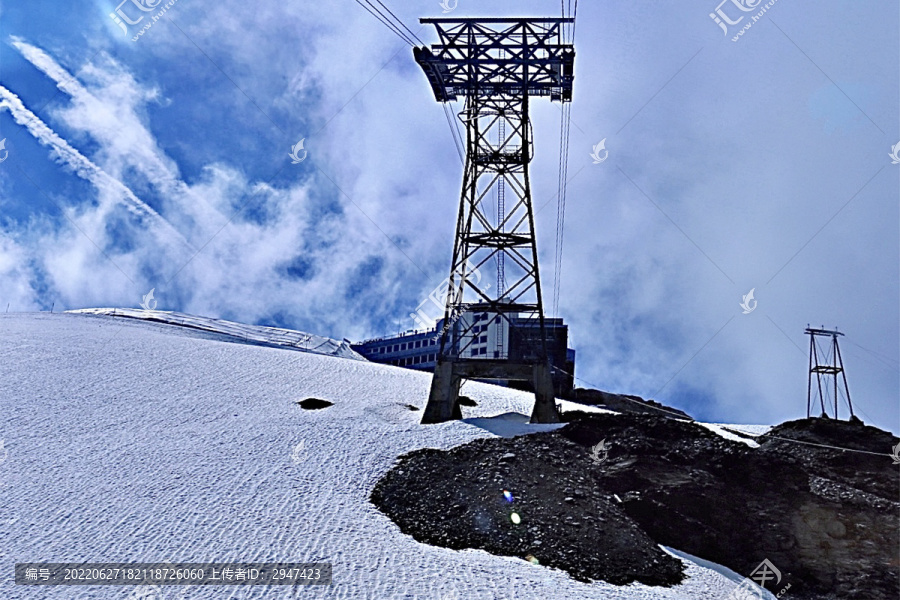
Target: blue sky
[759,163]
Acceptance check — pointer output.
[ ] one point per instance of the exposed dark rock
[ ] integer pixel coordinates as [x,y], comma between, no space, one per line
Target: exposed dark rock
[411,407]
[826,518]
[455,499]
[624,403]
[314,403]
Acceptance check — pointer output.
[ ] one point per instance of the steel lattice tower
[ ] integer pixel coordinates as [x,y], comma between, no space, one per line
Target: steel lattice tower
[815,367]
[496,65]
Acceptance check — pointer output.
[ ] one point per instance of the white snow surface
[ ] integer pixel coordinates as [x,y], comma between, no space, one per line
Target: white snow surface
[277,336]
[123,440]
[751,430]
[720,430]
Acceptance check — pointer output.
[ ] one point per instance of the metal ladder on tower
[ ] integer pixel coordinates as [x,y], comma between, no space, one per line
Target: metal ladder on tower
[501,256]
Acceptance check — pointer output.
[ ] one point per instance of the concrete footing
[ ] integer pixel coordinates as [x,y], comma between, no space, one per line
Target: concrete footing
[443,400]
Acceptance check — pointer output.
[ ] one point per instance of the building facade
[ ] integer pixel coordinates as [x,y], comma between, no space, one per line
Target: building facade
[490,336]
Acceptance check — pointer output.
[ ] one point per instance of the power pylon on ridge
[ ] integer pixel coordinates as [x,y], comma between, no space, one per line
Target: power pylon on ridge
[495,65]
[815,367]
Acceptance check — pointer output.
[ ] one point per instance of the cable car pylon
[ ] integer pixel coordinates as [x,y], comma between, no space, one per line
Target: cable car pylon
[496,65]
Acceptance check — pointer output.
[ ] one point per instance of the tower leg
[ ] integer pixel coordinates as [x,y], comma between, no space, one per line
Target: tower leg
[443,400]
[544,400]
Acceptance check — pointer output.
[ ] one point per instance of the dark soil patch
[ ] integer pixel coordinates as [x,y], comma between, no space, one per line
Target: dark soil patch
[314,404]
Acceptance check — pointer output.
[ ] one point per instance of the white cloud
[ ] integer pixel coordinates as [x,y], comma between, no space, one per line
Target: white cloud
[111,189]
[239,268]
[16,277]
[728,149]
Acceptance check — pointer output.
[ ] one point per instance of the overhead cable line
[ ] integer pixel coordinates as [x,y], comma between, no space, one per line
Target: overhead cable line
[402,24]
[454,133]
[385,21]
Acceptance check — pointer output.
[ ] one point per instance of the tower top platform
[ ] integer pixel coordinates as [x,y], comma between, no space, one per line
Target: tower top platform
[499,58]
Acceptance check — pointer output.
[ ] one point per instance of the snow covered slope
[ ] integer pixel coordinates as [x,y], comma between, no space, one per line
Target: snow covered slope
[130,441]
[276,336]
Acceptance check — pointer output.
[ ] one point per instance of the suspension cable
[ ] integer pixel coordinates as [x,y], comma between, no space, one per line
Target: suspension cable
[564,130]
[575,17]
[565,127]
[454,133]
[385,21]
[395,25]
[400,22]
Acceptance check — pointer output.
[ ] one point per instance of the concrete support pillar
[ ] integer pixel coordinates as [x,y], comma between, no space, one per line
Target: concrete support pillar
[544,400]
[443,400]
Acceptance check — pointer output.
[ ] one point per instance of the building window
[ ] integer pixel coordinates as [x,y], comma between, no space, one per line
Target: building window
[396,347]
[381,350]
[418,344]
[483,339]
[431,358]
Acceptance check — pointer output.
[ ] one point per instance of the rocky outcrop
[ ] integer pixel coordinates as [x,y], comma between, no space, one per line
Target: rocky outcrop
[827,518]
[624,403]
